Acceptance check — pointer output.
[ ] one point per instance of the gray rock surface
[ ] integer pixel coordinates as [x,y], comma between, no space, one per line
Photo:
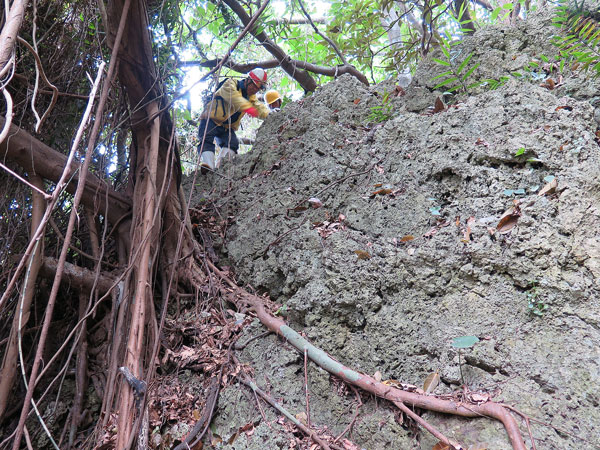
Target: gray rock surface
[396,307]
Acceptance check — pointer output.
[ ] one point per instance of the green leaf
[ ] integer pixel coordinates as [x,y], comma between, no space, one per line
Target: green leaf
[520,151]
[464,64]
[445,51]
[470,71]
[495,13]
[442,62]
[464,341]
[445,82]
[445,74]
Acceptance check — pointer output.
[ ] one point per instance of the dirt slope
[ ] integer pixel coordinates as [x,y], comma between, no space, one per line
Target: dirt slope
[400,258]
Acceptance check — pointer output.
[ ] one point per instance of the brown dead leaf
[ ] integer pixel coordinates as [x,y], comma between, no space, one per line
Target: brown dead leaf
[438,106]
[300,208]
[549,84]
[302,417]
[315,202]
[480,398]
[509,218]
[431,382]
[384,191]
[441,446]
[362,254]
[407,238]
[549,188]
[482,142]
[441,224]
[566,107]
[349,445]
[377,185]
[467,232]
[507,223]
[478,446]
[356,101]
[400,92]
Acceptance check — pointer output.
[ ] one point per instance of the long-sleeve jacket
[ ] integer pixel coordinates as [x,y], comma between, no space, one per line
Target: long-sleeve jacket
[230,103]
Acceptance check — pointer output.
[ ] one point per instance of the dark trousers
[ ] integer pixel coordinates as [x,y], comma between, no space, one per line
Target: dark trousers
[224,137]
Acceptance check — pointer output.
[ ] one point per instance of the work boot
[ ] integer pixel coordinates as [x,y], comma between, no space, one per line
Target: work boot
[225,154]
[207,162]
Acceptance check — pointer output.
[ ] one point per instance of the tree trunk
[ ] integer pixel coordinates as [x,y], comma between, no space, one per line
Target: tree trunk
[21,316]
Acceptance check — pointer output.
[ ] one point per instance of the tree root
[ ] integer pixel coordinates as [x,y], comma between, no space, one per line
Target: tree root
[488,409]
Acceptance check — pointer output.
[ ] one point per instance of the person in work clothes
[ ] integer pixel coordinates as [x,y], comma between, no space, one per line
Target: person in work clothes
[222,116]
[273,100]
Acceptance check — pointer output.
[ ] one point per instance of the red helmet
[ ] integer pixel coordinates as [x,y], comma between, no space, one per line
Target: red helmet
[258,76]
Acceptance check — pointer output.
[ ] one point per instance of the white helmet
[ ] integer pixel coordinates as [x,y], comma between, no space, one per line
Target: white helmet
[258,76]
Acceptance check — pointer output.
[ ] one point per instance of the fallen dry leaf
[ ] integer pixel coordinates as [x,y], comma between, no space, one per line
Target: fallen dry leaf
[349,445]
[509,218]
[315,202]
[549,188]
[549,84]
[467,233]
[384,191]
[438,106]
[431,382]
[362,254]
[478,446]
[399,91]
[407,238]
[480,397]
[302,418]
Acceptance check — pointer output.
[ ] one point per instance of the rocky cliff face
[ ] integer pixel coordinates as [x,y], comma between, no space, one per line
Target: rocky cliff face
[375,225]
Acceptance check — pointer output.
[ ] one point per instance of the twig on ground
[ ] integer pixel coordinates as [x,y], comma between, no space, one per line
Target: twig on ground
[245,344]
[306,395]
[353,421]
[248,382]
[434,431]
[549,425]
[279,238]
[333,183]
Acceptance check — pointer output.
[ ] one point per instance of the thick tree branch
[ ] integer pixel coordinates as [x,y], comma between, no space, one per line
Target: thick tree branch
[302,77]
[80,278]
[272,63]
[36,157]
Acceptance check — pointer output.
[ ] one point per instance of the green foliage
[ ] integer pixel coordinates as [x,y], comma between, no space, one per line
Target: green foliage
[460,343]
[536,305]
[581,45]
[454,79]
[383,112]
[464,341]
